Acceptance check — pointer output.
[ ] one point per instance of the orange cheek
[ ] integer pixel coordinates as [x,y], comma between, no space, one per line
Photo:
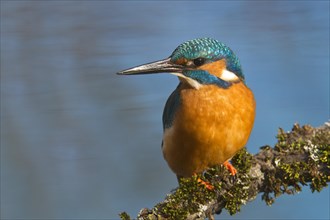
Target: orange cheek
[215,68]
[181,61]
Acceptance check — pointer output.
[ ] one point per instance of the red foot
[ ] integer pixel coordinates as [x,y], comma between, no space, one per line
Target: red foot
[207,185]
[230,167]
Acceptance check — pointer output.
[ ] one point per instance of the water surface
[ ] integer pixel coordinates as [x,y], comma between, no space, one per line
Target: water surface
[78,141]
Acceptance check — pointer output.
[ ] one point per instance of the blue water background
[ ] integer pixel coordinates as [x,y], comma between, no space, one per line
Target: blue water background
[78,141]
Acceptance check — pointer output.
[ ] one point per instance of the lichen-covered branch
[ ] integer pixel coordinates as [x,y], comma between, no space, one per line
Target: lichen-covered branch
[300,157]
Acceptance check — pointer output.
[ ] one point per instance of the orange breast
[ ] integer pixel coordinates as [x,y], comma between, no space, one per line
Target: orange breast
[210,126]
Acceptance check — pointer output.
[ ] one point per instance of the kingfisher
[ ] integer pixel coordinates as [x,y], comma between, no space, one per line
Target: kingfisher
[208,118]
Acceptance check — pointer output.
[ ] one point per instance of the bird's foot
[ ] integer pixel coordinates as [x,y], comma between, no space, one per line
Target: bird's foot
[230,168]
[207,185]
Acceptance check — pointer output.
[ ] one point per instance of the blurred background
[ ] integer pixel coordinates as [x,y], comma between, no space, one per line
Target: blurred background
[78,141]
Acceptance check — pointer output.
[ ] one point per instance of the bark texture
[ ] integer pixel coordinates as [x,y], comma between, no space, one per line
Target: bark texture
[300,157]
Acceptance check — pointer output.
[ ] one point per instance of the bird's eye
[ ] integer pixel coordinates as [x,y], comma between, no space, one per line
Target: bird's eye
[199,61]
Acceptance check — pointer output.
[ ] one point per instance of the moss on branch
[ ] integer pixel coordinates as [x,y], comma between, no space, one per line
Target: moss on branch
[300,157]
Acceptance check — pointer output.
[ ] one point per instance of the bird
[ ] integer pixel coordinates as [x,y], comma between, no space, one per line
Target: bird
[209,117]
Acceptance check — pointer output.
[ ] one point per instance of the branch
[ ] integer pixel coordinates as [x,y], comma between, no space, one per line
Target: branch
[300,157]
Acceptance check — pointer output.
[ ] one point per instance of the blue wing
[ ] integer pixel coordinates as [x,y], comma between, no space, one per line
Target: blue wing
[171,106]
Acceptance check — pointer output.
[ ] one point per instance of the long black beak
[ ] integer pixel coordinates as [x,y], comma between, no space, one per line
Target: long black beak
[161,66]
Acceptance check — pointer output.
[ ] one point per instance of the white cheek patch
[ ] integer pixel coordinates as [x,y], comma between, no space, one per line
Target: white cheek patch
[193,83]
[226,75]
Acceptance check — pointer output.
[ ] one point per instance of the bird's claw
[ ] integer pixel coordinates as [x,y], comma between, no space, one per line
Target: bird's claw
[230,168]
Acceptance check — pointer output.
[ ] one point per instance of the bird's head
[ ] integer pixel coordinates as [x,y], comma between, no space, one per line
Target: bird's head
[197,62]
